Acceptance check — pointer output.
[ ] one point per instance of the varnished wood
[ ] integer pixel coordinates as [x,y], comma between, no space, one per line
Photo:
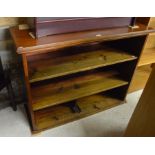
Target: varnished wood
[150,41]
[148,57]
[26,44]
[143,20]
[152,22]
[59,115]
[67,90]
[45,26]
[46,69]
[142,121]
[59,81]
[29,106]
[140,78]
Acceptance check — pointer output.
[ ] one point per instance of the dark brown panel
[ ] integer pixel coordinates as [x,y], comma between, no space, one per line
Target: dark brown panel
[49,26]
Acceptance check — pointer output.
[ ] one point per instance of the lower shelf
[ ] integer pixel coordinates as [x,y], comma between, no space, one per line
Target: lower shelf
[60,114]
[55,93]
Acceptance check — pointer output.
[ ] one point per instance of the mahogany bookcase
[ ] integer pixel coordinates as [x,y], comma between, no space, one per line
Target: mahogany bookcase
[91,70]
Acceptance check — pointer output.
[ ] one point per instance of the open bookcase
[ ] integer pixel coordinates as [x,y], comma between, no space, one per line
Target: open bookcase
[71,76]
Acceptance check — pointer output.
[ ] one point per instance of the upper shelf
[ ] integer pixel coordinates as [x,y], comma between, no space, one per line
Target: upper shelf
[47,69]
[26,44]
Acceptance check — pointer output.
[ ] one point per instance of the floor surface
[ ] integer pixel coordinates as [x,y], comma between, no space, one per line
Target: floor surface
[112,122]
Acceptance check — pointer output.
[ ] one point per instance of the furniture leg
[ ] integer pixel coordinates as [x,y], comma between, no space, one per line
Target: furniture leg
[11,96]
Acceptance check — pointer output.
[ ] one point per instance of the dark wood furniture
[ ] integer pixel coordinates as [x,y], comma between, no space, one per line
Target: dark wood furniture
[91,71]
[44,26]
[5,81]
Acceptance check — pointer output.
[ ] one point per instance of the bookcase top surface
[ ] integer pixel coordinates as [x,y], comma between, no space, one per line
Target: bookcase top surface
[26,44]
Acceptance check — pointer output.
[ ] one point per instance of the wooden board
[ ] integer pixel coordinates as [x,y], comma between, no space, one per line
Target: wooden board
[150,43]
[46,69]
[26,44]
[70,89]
[140,78]
[148,57]
[152,22]
[59,115]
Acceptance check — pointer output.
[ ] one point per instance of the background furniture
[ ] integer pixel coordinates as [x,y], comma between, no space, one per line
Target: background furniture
[91,71]
[44,26]
[5,81]
[142,121]
[147,58]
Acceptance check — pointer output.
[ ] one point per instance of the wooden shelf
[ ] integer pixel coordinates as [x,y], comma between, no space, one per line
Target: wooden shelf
[148,57]
[58,115]
[140,78]
[46,69]
[51,94]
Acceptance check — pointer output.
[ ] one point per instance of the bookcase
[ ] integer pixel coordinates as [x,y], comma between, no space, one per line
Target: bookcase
[74,75]
[144,68]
